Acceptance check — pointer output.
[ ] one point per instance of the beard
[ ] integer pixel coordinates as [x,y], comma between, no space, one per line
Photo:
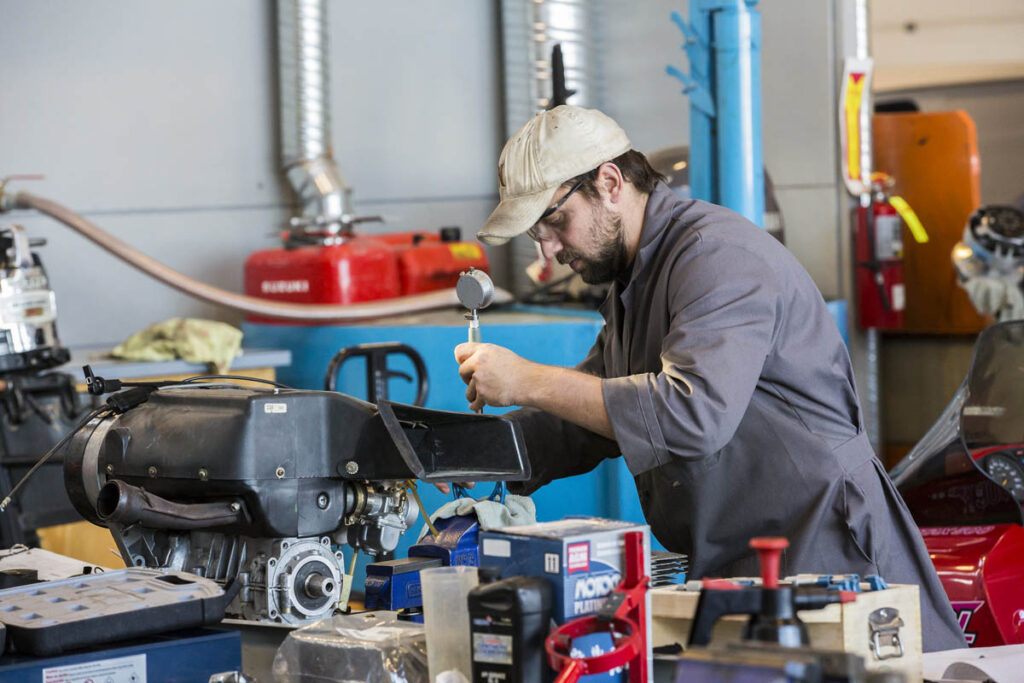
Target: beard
[610,257]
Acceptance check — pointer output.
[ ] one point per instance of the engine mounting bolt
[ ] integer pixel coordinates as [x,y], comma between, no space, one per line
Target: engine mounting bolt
[110,469]
[152,471]
[235,506]
[279,472]
[352,467]
[203,474]
[323,500]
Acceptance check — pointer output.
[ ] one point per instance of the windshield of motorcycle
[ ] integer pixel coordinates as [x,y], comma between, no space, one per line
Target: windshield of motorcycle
[969,468]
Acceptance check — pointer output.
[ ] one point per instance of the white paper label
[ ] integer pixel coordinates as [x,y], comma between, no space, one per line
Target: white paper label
[490,648]
[899,297]
[120,670]
[496,547]
[275,407]
[984,411]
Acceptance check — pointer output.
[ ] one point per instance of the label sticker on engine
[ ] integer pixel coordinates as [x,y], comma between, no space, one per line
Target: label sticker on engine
[119,670]
[275,407]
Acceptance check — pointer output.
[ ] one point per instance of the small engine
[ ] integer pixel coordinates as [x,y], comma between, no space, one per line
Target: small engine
[262,486]
[990,261]
[28,312]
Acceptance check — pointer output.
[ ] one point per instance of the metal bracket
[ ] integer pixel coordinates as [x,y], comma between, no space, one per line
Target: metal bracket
[699,95]
[885,624]
[695,84]
[7,200]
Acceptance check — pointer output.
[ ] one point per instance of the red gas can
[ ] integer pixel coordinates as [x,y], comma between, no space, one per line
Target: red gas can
[358,269]
[361,268]
[431,266]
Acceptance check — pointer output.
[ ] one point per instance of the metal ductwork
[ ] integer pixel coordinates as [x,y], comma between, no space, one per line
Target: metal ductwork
[530,29]
[307,158]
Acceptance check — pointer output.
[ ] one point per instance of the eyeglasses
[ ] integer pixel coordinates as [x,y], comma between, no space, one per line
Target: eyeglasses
[532,232]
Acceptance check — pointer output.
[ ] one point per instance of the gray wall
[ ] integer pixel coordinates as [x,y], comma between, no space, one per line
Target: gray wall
[158,121]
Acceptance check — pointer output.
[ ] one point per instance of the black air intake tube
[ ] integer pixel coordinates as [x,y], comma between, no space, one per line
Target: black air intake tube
[126,504]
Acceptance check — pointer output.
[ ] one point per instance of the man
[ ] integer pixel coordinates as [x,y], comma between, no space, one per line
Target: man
[719,374]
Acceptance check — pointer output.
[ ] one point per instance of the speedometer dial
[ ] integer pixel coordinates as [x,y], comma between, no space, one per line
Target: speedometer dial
[1007,472]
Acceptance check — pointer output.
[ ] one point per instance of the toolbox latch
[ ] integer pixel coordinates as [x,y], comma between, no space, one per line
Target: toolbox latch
[885,624]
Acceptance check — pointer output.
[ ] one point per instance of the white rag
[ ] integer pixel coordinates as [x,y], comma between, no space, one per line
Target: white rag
[515,511]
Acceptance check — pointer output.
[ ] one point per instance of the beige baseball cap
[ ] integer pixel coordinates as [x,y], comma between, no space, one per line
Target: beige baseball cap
[551,148]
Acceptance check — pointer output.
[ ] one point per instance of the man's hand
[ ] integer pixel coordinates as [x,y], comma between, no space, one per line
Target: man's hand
[446,489]
[493,375]
[496,376]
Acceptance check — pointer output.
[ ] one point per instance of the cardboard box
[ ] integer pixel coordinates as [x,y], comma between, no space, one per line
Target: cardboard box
[583,559]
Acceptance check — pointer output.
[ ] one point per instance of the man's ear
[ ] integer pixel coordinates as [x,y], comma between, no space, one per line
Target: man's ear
[610,182]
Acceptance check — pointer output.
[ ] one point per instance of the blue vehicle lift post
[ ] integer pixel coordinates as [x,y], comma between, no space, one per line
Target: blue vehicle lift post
[723,47]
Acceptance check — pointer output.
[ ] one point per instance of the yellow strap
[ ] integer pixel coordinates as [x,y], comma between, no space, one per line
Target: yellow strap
[352,564]
[411,484]
[910,218]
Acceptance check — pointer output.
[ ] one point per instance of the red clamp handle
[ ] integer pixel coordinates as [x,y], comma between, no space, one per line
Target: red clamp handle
[770,549]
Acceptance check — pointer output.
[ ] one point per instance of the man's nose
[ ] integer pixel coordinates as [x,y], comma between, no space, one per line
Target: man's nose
[550,247]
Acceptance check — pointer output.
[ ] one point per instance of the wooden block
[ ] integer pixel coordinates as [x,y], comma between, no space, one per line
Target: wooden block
[83,541]
[837,627]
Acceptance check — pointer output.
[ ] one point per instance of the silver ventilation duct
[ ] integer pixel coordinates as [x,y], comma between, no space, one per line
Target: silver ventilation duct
[305,116]
[530,29]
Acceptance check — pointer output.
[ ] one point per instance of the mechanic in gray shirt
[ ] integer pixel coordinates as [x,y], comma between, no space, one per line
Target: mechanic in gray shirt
[719,374]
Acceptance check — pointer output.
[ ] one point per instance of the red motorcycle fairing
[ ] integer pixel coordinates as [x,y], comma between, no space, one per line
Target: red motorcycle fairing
[969,512]
[982,570]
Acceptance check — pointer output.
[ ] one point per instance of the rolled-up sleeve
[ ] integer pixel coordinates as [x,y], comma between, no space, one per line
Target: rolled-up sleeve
[558,448]
[724,303]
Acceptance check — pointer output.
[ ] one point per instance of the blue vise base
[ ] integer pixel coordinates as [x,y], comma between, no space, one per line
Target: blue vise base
[395,584]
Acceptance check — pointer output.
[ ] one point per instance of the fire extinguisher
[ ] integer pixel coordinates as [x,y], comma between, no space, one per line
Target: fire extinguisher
[878,238]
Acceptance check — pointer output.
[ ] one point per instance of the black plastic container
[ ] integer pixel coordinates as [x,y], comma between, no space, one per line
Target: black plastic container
[508,622]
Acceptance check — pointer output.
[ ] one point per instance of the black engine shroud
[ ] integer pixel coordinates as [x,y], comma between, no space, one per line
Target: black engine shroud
[281,457]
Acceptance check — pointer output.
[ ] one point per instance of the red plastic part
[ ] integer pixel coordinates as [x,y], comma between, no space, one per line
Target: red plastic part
[770,550]
[409,239]
[630,646]
[630,622]
[436,265]
[982,570]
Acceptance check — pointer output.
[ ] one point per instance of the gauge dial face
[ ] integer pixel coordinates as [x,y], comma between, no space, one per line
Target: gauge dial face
[1007,471]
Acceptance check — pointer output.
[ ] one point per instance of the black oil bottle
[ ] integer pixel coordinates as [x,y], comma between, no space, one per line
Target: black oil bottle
[508,622]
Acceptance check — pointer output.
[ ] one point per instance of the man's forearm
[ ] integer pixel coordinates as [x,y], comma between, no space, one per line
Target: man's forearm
[570,395]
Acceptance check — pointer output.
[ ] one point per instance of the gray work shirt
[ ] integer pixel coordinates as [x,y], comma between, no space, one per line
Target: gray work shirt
[731,396]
